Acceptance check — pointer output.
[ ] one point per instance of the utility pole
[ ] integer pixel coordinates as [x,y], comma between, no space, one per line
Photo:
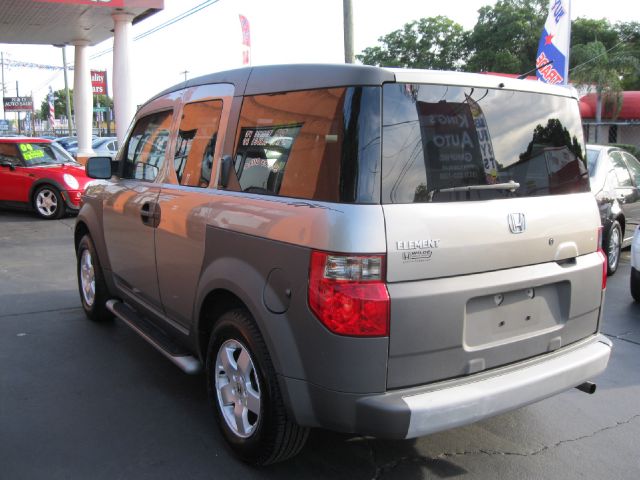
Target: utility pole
[347,13]
[2,63]
[185,74]
[66,90]
[18,112]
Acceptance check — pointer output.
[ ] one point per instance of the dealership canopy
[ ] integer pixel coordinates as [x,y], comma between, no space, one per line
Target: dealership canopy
[82,23]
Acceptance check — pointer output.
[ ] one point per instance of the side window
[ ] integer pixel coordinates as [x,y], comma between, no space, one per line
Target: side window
[147,146]
[634,167]
[620,169]
[196,143]
[9,153]
[321,144]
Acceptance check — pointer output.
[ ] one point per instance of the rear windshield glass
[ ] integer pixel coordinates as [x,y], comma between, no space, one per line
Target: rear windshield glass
[447,143]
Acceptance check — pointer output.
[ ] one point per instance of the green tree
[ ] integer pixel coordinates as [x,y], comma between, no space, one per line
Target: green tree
[60,104]
[433,42]
[585,30]
[602,70]
[505,37]
[629,33]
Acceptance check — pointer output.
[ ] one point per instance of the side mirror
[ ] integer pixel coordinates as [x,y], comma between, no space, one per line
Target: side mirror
[98,167]
[7,164]
[226,163]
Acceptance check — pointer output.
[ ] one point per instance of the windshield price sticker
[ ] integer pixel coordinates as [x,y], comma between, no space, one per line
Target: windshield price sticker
[28,153]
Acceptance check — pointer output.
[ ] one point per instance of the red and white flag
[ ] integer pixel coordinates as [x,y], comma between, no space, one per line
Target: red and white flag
[246,40]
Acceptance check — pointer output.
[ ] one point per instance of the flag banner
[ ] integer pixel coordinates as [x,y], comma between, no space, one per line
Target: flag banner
[246,40]
[552,60]
[52,111]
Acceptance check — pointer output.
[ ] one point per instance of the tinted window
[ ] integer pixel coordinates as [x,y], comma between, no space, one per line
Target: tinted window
[196,143]
[440,140]
[620,170]
[318,144]
[147,146]
[9,153]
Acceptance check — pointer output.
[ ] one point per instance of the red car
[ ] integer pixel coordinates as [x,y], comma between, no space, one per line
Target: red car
[38,174]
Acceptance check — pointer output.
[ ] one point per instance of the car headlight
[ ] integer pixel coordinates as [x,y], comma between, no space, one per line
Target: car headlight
[71,181]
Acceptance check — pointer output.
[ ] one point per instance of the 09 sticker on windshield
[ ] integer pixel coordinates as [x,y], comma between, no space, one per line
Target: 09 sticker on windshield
[29,153]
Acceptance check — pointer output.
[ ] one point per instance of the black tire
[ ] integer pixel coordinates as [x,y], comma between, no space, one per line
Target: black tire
[271,437]
[94,301]
[635,284]
[612,247]
[48,202]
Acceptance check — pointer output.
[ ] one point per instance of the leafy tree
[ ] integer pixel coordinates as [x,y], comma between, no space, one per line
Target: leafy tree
[629,33]
[601,69]
[585,30]
[505,37]
[60,103]
[434,42]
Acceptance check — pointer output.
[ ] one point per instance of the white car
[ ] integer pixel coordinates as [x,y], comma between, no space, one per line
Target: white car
[635,265]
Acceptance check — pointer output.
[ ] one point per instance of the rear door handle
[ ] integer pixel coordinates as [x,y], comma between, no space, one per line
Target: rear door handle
[150,214]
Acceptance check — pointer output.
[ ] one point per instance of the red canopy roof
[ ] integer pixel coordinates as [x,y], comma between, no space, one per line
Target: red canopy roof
[630,107]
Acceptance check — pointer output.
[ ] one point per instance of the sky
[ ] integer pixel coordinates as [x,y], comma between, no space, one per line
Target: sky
[282,31]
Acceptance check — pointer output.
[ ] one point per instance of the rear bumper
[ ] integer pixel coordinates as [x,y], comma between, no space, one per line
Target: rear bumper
[414,412]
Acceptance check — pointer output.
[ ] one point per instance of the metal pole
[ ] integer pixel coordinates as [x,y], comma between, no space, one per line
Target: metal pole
[4,114]
[18,112]
[347,11]
[66,90]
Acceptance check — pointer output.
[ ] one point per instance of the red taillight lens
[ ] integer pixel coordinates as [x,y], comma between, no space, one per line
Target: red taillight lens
[603,255]
[348,294]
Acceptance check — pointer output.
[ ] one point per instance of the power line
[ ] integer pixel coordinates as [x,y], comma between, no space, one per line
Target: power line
[601,54]
[157,28]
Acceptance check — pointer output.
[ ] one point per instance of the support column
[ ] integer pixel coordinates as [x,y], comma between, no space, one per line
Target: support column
[123,103]
[83,100]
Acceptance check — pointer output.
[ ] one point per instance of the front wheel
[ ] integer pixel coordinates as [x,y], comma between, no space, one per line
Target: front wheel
[243,389]
[612,248]
[48,202]
[91,284]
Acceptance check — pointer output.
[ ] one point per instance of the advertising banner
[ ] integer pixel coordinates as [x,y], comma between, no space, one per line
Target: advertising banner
[17,104]
[246,40]
[99,82]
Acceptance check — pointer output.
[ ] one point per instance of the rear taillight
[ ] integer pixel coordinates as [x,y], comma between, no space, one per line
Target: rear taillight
[603,255]
[348,294]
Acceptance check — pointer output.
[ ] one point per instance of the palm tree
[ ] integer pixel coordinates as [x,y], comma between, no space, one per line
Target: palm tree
[601,69]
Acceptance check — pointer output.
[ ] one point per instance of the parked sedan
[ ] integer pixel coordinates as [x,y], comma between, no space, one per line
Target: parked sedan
[635,266]
[102,147]
[36,174]
[615,176]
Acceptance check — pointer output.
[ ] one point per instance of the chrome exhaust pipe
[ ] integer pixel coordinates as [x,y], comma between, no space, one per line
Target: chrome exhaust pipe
[587,387]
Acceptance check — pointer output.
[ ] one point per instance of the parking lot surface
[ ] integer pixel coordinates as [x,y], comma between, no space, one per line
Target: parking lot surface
[80,400]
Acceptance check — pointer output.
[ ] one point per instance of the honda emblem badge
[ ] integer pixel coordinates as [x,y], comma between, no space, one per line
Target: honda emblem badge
[517,223]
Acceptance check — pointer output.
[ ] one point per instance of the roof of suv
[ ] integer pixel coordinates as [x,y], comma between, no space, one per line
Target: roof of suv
[282,78]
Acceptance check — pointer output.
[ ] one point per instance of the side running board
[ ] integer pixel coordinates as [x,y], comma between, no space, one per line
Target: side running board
[158,339]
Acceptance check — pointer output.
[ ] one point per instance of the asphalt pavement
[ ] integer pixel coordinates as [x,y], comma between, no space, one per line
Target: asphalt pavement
[80,400]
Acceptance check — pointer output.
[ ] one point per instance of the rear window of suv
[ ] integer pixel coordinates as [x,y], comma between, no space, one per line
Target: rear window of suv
[450,143]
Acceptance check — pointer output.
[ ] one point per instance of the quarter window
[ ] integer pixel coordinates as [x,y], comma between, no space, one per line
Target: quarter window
[319,144]
[196,143]
[146,148]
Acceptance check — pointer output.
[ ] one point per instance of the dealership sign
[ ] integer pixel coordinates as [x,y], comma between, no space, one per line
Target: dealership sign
[17,104]
[99,82]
